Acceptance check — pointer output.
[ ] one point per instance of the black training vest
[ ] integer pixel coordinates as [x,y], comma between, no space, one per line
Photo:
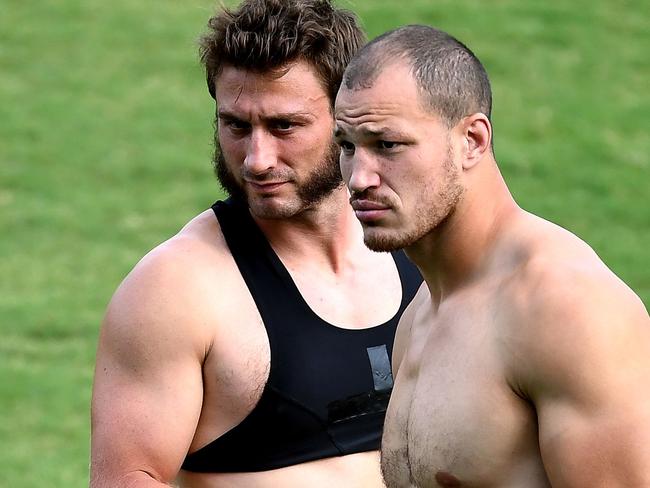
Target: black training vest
[328,387]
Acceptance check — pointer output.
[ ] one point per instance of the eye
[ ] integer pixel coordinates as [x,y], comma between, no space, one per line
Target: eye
[282,125]
[347,147]
[236,125]
[387,145]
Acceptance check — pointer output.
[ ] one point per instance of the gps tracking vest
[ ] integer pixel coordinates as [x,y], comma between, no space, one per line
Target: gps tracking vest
[328,387]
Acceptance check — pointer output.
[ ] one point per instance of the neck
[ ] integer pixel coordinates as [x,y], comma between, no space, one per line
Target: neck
[453,254]
[324,234]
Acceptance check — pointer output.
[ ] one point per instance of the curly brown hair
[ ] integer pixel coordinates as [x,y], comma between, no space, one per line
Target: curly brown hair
[268,35]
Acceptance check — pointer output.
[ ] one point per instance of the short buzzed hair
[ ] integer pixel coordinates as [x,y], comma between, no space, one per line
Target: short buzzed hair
[267,35]
[452,81]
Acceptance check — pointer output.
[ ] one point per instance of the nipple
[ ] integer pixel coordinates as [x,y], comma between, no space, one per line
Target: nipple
[446,480]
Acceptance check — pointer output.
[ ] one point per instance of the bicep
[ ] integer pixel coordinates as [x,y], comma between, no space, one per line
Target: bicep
[596,446]
[592,398]
[147,395]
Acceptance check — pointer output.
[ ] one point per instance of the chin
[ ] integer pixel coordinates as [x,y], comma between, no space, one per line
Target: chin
[272,208]
[381,242]
[384,240]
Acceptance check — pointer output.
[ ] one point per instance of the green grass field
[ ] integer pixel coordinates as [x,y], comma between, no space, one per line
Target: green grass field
[105,142]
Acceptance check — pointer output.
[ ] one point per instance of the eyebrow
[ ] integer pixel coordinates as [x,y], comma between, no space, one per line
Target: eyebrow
[365,132]
[225,114]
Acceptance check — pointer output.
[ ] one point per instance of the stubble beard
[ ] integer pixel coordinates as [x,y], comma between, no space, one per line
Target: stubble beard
[321,181]
[428,216]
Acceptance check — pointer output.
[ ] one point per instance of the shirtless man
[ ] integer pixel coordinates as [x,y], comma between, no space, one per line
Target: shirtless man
[524,362]
[252,349]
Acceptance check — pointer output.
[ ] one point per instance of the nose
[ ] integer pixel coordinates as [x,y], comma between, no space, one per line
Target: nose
[359,171]
[261,152]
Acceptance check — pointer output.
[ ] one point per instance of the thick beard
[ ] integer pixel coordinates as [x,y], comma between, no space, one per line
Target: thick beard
[428,216]
[321,181]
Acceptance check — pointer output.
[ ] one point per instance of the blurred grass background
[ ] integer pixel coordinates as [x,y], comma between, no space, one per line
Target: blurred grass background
[105,143]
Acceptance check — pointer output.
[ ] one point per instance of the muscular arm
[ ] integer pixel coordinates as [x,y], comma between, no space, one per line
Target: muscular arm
[588,374]
[147,390]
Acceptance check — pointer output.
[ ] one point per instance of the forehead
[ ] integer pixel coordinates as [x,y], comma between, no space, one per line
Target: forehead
[296,87]
[392,100]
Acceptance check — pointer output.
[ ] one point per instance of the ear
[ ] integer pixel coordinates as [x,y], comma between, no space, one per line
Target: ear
[476,132]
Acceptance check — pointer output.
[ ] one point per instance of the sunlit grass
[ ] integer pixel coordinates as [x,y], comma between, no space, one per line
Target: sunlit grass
[105,130]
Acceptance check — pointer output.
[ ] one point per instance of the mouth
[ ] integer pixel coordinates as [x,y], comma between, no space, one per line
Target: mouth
[368,211]
[265,186]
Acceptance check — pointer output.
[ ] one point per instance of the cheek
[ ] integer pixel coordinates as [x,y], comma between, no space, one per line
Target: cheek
[346,166]
[415,172]
[233,149]
[407,181]
[306,146]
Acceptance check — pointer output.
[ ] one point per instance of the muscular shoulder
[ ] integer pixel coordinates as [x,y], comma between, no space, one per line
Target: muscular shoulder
[572,323]
[174,292]
[156,338]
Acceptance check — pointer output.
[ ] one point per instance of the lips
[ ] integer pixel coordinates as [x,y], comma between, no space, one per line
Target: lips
[358,204]
[368,210]
[265,186]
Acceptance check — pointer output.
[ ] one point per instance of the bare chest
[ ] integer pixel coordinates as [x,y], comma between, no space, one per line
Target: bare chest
[336,298]
[453,418]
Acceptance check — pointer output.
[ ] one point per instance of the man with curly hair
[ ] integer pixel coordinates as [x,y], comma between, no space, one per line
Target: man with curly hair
[252,349]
